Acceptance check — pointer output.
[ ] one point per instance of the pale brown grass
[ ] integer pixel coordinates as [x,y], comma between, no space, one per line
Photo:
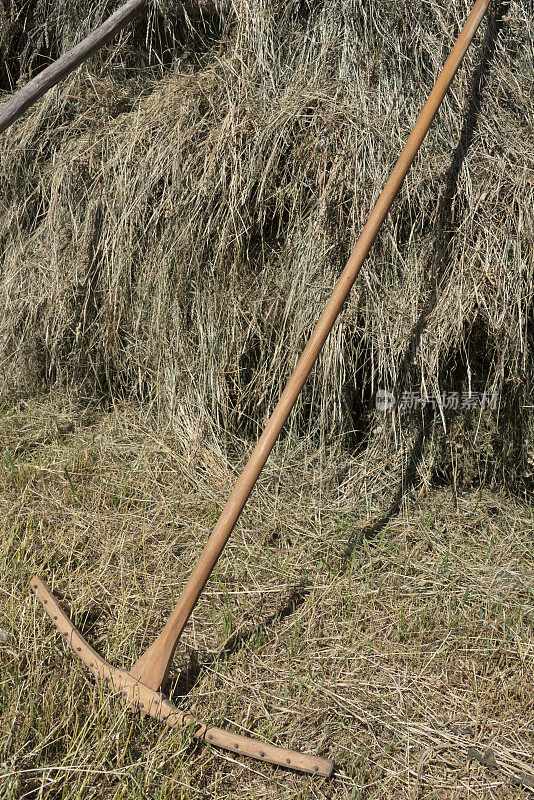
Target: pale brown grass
[395,661]
[175,215]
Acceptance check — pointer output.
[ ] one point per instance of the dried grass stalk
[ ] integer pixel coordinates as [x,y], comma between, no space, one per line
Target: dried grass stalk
[175,216]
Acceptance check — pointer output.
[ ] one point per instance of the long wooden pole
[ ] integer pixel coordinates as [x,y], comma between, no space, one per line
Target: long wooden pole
[48,77]
[59,69]
[153,666]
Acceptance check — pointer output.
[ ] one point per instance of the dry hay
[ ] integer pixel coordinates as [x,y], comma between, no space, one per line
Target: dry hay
[410,661]
[175,215]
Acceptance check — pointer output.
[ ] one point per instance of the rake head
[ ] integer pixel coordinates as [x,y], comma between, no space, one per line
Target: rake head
[141,698]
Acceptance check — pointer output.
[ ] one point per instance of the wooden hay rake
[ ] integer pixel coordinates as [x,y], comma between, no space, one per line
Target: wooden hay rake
[140,687]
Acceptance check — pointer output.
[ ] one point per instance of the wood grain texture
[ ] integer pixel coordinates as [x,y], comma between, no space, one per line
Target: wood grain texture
[48,77]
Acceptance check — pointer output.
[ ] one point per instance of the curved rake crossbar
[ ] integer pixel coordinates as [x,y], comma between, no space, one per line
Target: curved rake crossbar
[138,697]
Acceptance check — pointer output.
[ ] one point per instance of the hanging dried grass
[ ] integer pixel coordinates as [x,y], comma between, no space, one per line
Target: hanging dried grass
[175,216]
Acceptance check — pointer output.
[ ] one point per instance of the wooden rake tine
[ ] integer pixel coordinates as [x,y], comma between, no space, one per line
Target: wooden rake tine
[140,686]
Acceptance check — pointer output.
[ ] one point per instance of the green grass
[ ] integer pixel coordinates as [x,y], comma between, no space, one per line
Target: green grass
[394,661]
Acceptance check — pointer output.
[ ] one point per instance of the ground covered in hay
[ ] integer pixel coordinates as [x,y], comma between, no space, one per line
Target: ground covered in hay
[404,649]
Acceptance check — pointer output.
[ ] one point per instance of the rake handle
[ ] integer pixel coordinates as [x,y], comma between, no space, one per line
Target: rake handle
[154,664]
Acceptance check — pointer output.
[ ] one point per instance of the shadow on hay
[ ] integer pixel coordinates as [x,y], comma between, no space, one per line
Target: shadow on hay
[447,225]
[190,674]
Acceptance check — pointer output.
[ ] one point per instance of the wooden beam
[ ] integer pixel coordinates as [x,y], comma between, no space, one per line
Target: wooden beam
[25,97]
[48,77]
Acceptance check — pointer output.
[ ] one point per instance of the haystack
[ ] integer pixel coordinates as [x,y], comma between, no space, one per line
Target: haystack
[175,215]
